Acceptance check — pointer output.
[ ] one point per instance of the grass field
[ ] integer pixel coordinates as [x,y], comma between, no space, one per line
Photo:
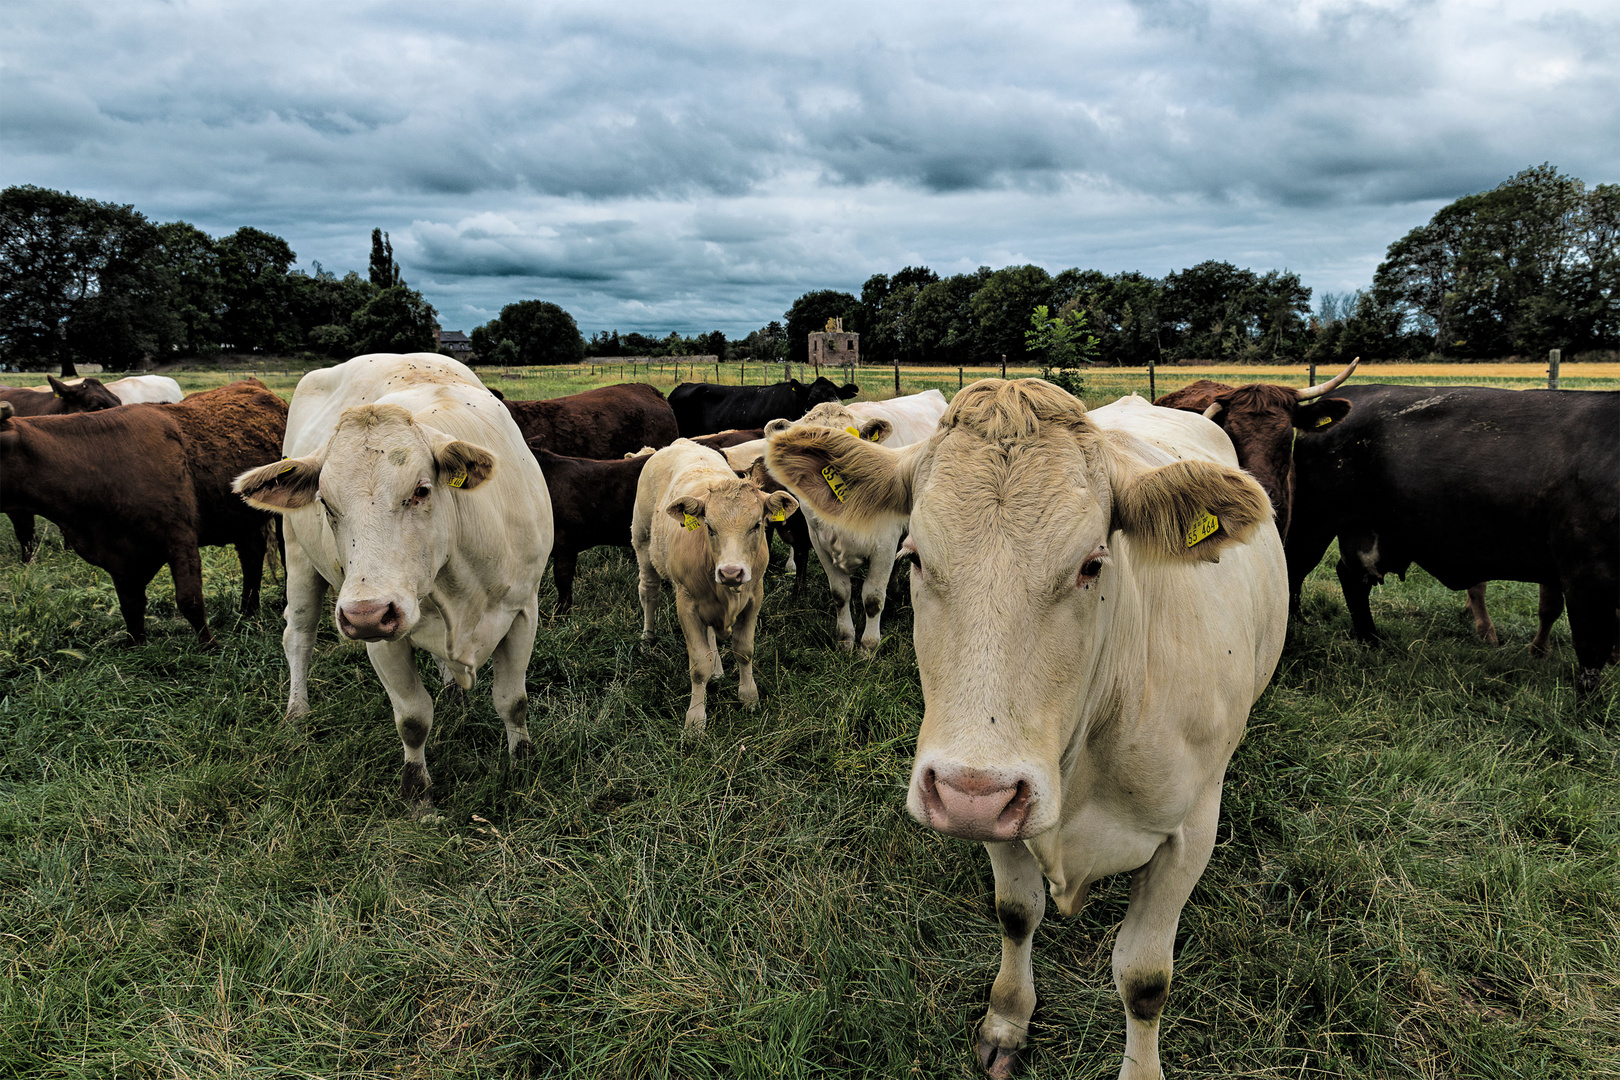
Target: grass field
[1416,874]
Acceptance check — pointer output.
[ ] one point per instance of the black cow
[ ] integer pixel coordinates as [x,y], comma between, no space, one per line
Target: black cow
[704,408]
[1472,484]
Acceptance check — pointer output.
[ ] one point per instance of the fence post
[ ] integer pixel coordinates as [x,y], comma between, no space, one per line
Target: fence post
[1003,365]
[959,377]
[1310,379]
[897,376]
[1152,392]
[1553,357]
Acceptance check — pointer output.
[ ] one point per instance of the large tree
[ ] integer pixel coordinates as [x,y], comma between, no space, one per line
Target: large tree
[540,333]
[1001,309]
[254,269]
[67,268]
[1528,265]
[395,320]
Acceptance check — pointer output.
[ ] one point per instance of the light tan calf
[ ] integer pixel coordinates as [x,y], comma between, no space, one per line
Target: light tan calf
[1099,599]
[700,527]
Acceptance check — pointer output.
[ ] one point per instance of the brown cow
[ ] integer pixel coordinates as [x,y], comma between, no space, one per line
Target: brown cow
[607,422]
[58,399]
[136,487]
[1260,419]
[84,395]
[592,502]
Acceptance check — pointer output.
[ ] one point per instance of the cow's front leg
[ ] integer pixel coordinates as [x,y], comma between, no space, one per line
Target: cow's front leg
[875,590]
[1482,617]
[718,665]
[1357,586]
[306,603]
[1549,605]
[1020,906]
[27,539]
[839,582]
[699,662]
[1146,942]
[511,660]
[413,717]
[185,564]
[648,585]
[742,649]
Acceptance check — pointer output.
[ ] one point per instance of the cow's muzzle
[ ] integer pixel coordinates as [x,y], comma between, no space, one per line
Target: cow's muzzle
[369,620]
[731,575]
[973,804]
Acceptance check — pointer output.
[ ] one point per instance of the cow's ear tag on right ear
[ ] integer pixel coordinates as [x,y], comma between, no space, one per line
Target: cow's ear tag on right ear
[459,480]
[854,431]
[834,481]
[1323,421]
[1202,528]
[778,515]
[692,522]
[288,469]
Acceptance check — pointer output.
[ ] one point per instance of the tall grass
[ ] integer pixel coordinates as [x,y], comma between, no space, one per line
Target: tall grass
[1416,874]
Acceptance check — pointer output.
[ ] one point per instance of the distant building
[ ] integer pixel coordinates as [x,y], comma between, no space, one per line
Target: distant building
[452,341]
[833,347]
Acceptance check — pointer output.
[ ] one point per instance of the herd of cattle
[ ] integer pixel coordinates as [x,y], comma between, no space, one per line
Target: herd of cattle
[1099,596]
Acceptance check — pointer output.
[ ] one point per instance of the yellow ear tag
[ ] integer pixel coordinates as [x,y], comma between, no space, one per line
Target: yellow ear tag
[834,481]
[854,431]
[778,516]
[287,470]
[692,522]
[1323,421]
[459,480]
[1202,528]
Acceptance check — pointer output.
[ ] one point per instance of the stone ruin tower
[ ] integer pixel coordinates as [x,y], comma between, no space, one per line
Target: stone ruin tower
[832,347]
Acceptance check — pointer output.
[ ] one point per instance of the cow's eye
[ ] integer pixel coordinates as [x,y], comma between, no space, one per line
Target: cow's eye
[422,491]
[1090,569]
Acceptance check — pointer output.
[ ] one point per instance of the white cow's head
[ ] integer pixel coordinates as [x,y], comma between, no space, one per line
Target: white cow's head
[1017,507]
[388,486]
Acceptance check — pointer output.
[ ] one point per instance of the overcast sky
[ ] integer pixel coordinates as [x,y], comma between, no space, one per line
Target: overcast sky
[669,166]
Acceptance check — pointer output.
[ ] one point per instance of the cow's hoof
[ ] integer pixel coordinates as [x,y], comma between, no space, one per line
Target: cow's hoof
[1000,1062]
[523,750]
[695,727]
[870,647]
[414,788]
[846,644]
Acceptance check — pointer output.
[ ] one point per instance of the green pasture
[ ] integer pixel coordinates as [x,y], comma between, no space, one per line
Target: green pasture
[1417,872]
[1102,384]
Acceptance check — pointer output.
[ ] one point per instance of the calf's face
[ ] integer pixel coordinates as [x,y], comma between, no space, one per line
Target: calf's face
[731,517]
[387,487]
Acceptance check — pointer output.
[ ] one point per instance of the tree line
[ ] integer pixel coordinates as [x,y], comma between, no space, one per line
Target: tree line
[83,281]
[1530,265]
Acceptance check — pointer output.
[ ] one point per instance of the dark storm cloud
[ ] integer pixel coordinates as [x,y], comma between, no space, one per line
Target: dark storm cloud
[668,163]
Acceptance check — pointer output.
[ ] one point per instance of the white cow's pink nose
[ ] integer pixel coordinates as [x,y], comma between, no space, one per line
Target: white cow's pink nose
[731,574]
[973,804]
[368,620]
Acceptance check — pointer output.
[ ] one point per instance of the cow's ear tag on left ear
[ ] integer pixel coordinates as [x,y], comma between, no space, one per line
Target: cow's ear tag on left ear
[1323,421]
[692,522]
[834,481]
[778,516]
[288,469]
[854,431]
[459,480]
[1202,528]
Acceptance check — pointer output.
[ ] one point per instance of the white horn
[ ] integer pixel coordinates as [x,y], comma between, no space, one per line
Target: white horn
[1213,411]
[1329,386]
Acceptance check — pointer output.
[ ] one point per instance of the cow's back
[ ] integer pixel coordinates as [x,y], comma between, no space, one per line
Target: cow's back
[226,431]
[1472,483]
[607,422]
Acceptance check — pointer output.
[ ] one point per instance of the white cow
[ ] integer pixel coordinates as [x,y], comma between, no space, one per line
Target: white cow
[408,488]
[1099,600]
[914,416]
[843,553]
[138,389]
[699,526]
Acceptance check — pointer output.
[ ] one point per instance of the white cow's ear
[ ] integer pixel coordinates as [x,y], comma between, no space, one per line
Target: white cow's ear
[1189,510]
[781,423]
[876,430]
[861,485]
[461,464]
[282,485]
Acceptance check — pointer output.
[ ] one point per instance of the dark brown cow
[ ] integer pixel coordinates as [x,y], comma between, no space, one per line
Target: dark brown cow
[607,422]
[143,485]
[592,502]
[1260,419]
[85,395]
